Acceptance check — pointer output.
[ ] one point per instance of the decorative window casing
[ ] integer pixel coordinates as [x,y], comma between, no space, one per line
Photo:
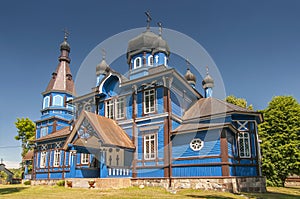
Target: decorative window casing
[115,108]
[43,159]
[196,144]
[150,146]
[57,100]
[46,102]
[150,60]
[70,105]
[244,144]
[56,160]
[84,158]
[137,63]
[149,101]
[44,131]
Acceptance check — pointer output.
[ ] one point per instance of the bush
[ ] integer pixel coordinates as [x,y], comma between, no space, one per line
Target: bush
[27,182]
[60,183]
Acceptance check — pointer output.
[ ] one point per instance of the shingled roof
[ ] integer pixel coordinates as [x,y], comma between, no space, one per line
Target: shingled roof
[211,106]
[108,132]
[57,134]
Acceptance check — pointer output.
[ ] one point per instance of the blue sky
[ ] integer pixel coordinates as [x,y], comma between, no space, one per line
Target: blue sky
[255,44]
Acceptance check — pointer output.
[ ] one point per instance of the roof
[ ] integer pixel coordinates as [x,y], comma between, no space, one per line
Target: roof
[62,79]
[211,106]
[107,132]
[28,155]
[192,127]
[57,134]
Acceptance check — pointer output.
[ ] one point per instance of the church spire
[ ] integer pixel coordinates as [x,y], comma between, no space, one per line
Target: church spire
[62,78]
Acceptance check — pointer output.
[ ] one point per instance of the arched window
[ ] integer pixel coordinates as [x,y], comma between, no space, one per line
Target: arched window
[137,62]
[46,102]
[57,100]
[150,60]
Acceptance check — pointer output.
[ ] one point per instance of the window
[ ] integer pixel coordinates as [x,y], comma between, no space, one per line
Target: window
[44,131]
[166,61]
[196,144]
[57,100]
[120,104]
[46,102]
[149,147]
[56,158]
[69,104]
[115,108]
[109,113]
[244,144]
[149,101]
[137,62]
[150,60]
[84,158]
[43,159]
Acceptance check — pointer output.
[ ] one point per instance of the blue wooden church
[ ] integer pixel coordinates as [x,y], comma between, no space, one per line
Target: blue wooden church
[152,123]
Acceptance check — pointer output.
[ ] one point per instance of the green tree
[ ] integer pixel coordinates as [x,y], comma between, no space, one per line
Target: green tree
[238,101]
[280,135]
[26,133]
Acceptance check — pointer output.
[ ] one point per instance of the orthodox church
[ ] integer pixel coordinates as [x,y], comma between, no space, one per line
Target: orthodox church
[150,124]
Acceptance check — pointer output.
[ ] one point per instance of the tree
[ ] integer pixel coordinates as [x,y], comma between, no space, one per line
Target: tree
[280,135]
[239,102]
[26,133]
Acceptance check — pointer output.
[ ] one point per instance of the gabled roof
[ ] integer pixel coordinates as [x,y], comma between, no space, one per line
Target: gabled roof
[107,133]
[205,107]
[64,132]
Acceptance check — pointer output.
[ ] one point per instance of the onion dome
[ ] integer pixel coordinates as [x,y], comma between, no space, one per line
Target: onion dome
[208,82]
[147,42]
[65,45]
[190,77]
[102,68]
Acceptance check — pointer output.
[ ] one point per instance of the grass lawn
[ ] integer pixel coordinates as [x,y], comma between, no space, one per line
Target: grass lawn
[22,191]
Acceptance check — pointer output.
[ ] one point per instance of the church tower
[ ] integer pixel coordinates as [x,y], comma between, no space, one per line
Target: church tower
[56,111]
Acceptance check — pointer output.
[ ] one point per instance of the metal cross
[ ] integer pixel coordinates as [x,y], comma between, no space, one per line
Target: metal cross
[66,33]
[188,64]
[148,19]
[1,160]
[206,70]
[103,53]
[160,28]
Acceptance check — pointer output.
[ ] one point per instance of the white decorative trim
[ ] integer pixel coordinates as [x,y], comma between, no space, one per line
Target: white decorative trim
[196,144]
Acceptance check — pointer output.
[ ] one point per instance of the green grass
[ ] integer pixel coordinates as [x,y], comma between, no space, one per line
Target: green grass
[22,191]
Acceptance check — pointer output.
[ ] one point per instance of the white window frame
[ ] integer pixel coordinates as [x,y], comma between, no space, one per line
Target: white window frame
[150,60]
[150,146]
[109,109]
[166,61]
[68,105]
[149,105]
[44,131]
[196,144]
[84,158]
[57,100]
[43,159]
[56,158]
[137,63]
[120,108]
[244,144]
[46,99]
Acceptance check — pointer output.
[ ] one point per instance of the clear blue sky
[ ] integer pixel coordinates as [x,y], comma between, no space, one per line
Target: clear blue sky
[255,44]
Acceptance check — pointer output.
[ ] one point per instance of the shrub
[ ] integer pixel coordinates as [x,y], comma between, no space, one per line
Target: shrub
[27,182]
[60,183]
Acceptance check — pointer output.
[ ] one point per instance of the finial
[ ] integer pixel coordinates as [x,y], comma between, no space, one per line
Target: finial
[67,33]
[188,64]
[1,160]
[160,28]
[206,70]
[148,19]
[103,53]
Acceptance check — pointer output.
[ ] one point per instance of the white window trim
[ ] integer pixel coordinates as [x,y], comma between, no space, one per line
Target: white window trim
[43,159]
[56,158]
[244,145]
[46,105]
[55,100]
[147,93]
[84,158]
[196,144]
[166,61]
[42,134]
[135,62]
[149,60]
[108,112]
[151,155]
[120,111]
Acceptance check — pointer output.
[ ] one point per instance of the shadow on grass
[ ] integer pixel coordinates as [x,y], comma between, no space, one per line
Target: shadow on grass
[10,190]
[272,195]
[208,197]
